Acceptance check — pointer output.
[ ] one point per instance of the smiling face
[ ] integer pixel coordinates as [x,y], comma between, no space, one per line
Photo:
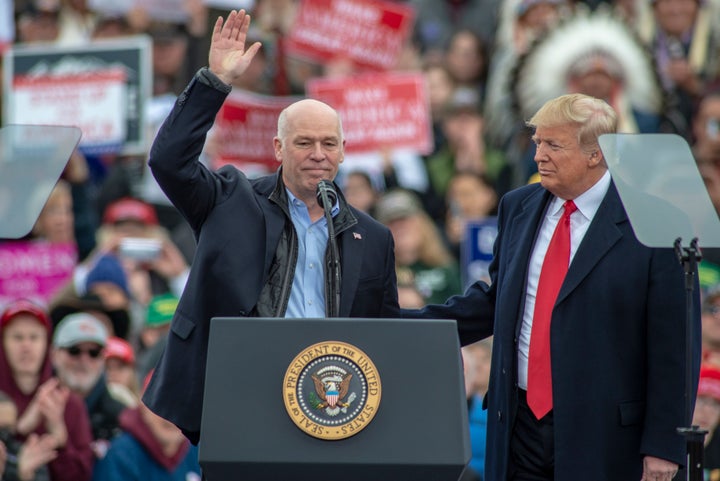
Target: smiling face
[565,169]
[310,147]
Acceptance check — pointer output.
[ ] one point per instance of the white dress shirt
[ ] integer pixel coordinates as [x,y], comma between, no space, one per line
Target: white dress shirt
[587,205]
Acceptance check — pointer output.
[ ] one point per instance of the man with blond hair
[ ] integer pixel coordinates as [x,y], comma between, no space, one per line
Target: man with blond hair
[588,369]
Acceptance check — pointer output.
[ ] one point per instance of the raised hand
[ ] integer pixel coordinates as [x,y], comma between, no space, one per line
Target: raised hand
[228,58]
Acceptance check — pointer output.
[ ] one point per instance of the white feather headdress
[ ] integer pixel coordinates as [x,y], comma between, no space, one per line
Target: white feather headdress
[542,73]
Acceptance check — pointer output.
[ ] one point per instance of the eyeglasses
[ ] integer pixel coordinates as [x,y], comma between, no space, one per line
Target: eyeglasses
[75,351]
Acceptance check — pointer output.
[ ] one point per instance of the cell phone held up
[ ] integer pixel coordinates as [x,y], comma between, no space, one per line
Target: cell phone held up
[139,248]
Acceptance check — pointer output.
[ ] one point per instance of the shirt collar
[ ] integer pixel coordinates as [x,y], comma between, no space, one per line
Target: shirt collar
[292,200]
[589,201]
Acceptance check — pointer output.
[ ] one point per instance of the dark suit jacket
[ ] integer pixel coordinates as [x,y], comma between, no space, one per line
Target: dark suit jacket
[238,229]
[617,343]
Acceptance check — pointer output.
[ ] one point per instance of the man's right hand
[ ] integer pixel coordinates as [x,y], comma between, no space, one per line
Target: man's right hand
[228,58]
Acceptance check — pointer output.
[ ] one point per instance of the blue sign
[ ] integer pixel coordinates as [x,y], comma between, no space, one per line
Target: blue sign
[477,250]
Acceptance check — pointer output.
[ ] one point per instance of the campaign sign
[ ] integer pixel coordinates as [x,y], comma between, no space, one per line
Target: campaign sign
[477,250]
[382,110]
[86,98]
[34,269]
[244,130]
[371,33]
[101,87]
[161,10]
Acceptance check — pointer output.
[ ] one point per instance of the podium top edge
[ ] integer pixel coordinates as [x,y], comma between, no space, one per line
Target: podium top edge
[337,319]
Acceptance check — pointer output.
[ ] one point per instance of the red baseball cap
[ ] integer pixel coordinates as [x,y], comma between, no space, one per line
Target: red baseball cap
[24,306]
[118,348]
[129,209]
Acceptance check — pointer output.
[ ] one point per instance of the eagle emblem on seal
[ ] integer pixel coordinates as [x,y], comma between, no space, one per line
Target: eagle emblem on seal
[332,384]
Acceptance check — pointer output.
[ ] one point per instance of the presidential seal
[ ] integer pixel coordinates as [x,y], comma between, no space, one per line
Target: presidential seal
[331,390]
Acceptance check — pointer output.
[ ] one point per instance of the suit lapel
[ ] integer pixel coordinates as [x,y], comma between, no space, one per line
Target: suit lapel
[602,234]
[521,236]
[352,247]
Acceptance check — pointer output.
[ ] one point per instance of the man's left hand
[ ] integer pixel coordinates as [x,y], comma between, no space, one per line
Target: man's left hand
[656,469]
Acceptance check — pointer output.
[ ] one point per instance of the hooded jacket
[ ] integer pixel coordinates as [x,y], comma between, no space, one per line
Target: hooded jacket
[75,460]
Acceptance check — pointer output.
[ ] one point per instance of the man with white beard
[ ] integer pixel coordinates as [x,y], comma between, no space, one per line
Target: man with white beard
[77,358]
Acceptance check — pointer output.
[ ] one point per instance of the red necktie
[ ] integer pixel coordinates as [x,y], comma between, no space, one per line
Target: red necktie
[552,274]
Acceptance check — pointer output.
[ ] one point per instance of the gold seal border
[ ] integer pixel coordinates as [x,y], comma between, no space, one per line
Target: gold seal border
[339,349]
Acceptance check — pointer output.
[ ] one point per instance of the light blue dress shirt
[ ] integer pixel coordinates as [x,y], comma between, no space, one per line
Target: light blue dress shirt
[307,295]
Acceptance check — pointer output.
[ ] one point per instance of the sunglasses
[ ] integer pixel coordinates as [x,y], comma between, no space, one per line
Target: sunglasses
[75,351]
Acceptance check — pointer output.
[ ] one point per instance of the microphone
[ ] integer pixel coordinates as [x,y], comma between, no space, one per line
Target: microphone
[328,188]
[327,196]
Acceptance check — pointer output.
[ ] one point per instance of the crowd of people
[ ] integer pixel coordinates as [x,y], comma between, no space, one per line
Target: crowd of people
[74,366]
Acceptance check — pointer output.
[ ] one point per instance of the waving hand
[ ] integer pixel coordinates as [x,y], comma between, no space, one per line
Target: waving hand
[228,58]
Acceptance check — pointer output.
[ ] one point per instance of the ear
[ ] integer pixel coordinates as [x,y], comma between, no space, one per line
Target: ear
[595,157]
[277,146]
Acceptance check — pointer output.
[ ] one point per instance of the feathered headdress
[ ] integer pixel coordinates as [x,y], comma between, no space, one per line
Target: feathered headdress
[586,40]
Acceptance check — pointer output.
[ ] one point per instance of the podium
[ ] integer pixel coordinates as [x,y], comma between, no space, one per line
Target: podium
[264,418]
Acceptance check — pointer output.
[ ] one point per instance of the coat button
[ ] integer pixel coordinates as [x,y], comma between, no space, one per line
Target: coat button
[499,415]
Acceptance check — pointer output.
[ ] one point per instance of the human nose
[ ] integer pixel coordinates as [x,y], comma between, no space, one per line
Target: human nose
[317,151]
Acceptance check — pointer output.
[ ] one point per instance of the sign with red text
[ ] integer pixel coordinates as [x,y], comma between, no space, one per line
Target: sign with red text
[87,99]
[101,87]
[371,33]
[35,269]
[243,132]
[379,111]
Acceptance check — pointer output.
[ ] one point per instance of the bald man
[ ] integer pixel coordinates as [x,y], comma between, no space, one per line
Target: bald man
[251,232]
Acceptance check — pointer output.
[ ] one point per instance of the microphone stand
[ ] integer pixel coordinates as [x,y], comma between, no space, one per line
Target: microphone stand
[689,258]
[333,265]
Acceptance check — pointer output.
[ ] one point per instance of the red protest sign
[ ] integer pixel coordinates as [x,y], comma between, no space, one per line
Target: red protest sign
[371,33]
[387,110]
[243,132]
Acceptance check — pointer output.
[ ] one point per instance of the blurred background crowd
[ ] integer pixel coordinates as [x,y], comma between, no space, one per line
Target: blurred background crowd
[73,364]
